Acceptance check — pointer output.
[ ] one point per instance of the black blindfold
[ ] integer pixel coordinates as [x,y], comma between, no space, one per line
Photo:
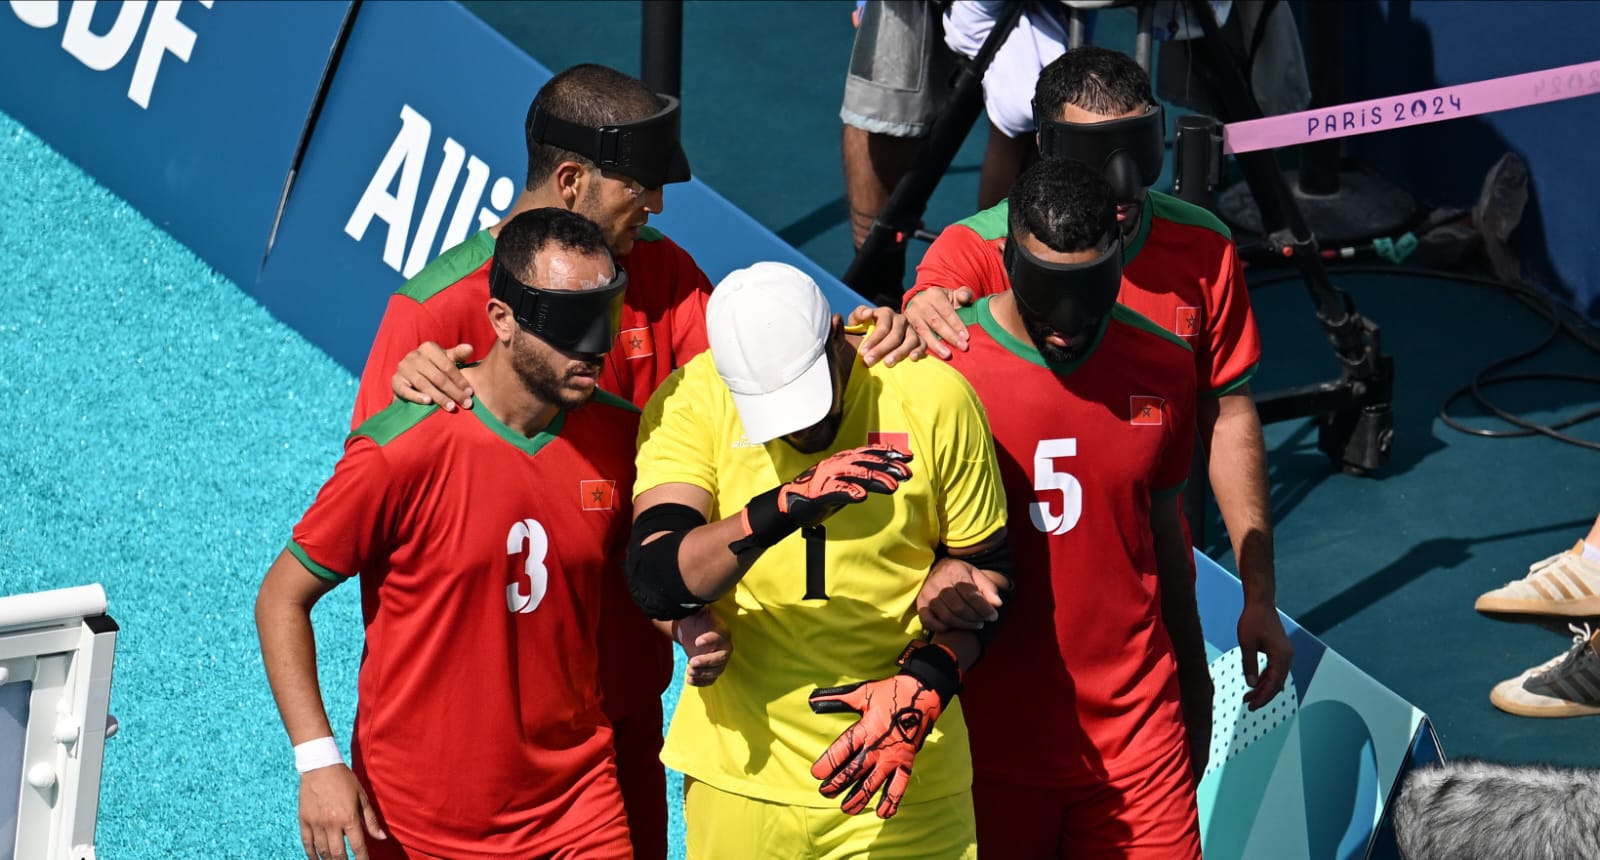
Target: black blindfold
[647,150]
[1069,297]
[583,321]
[1128,151]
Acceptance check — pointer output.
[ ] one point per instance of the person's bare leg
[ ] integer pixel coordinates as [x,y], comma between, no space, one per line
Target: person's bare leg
[1594,534]
[873,165]
[1003,161]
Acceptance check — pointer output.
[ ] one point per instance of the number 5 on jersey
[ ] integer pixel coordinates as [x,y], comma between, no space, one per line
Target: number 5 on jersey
[1047,479]
[527,588]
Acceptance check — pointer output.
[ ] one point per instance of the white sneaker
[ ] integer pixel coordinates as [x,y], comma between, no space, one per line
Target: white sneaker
[1567,685]
[1564,584]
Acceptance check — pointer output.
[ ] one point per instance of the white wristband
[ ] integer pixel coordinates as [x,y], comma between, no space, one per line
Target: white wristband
[322,752]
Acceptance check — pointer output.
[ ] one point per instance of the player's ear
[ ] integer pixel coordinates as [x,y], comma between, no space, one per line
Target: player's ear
[503,320]
[570,178]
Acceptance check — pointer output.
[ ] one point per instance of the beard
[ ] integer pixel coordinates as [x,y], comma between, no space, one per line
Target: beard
[1039,332]
[544,382]
[817,437]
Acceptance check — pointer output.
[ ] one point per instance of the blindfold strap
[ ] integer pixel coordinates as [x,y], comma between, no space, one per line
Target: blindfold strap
[647,149]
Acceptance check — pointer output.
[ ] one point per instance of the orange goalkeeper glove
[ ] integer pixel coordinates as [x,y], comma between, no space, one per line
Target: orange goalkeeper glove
[819,492]
[897,713]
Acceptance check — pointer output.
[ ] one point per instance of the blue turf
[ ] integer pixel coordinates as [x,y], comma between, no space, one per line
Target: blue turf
[163,433]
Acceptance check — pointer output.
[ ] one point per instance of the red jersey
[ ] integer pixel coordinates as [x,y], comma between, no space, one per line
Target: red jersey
[663,318]
[1180,269]
[663,326]
[1083,671]
[481,556]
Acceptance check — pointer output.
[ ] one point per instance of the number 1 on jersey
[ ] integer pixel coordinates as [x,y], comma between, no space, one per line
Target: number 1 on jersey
[816,538]
[1046,478]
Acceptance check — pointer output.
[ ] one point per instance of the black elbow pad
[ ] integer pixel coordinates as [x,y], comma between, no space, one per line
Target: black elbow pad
[654,579]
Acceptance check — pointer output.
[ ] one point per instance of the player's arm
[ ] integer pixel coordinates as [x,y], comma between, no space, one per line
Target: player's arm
[706,645]
[333,806]
[1231,428]
[678,561]
[967,591]
[1181,615]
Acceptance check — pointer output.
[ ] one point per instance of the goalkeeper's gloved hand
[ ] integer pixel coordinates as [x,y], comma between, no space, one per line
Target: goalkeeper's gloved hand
[817,493]
[897,713]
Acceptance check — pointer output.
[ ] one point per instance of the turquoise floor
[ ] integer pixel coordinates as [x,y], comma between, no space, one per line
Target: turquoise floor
[163,432]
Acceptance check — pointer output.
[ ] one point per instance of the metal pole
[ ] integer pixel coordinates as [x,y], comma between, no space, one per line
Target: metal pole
[1319,162]
[661,45]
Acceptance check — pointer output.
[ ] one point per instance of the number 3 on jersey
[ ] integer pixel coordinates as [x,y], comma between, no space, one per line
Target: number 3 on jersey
[527,588]
[1046,478]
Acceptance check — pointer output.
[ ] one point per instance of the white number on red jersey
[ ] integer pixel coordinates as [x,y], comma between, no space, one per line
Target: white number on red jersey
[527,589]
[1047,479]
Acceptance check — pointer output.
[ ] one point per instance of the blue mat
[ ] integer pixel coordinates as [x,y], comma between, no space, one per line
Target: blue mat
[163,435]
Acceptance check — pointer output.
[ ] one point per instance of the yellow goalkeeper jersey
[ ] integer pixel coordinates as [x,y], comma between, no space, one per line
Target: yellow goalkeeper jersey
[752,732]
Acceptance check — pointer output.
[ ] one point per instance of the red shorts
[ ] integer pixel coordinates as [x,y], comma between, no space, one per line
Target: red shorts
[1147,815]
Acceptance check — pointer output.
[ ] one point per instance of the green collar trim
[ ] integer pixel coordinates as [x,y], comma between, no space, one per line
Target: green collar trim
[530,445]
[450,267]
[1027,351]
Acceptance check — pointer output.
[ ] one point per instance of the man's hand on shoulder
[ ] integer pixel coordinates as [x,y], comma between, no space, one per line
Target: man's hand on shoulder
[891,338]
[432,374]
[932,315]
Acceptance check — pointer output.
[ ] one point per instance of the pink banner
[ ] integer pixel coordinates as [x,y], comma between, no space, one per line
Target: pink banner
[1418,108]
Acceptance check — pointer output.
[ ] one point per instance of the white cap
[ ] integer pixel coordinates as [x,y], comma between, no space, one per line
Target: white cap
[768,326]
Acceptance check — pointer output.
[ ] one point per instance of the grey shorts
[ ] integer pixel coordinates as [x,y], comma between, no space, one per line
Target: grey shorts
[900,70]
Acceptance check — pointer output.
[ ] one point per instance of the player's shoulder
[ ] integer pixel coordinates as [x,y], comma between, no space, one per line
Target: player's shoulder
[988,225]
[694,383]
[928,382]
[1171,212]
[656,259]
[392,422]
[654,247]
[449,268]
[1147,332]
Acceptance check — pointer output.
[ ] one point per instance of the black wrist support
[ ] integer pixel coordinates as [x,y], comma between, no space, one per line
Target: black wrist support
[764,523]
[935,667]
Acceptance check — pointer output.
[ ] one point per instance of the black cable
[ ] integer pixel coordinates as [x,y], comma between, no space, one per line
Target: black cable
[1542,304]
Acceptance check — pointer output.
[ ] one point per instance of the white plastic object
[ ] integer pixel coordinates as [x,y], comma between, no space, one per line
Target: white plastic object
[42,776]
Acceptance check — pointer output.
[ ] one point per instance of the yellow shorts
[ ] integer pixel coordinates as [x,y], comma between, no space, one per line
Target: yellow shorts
[726,826]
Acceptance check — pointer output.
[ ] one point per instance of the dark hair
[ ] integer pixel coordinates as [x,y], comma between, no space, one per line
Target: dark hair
[1063,203]
[526,236]
[1098,80]
[589,95]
